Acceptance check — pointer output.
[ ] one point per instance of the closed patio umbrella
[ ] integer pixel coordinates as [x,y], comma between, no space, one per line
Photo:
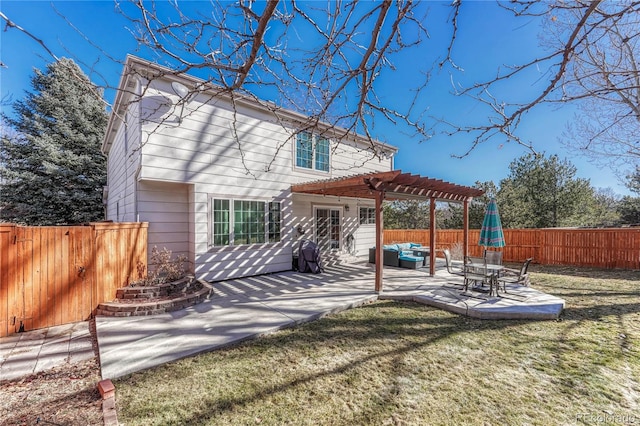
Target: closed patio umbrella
[491,234]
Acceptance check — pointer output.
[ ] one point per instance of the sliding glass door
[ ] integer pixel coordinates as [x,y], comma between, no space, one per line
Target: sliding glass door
[328,228]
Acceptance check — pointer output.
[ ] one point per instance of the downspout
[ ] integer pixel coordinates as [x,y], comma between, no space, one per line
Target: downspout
[136,213]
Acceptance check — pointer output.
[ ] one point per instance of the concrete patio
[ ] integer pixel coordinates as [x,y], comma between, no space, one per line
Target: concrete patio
[445,291]
[250,307]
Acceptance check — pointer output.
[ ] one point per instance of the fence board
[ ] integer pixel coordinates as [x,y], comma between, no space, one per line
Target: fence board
[602,248]
[15,307]
[37,310]
[25,251]
[7,275]
[55,275]
[48,283]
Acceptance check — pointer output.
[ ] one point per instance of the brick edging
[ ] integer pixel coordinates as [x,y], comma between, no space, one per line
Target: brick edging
[115,309]
[108,393]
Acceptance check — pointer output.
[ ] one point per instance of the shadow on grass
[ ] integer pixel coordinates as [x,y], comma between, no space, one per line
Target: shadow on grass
[597,312]
[597,273]
[412,330]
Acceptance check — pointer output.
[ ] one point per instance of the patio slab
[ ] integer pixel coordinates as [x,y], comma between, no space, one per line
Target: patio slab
[445,291]
[250,307]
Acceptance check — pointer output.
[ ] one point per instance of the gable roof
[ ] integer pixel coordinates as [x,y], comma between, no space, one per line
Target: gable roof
[136,67]
[395,184]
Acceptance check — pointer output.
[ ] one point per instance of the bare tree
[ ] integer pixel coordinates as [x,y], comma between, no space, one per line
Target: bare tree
[322,59]
[606,80]
[329,60]
[592,61]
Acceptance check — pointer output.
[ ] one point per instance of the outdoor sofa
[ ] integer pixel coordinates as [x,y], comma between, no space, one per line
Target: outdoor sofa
[400,255]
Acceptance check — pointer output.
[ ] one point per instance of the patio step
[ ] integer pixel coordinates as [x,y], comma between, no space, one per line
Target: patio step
[142,301]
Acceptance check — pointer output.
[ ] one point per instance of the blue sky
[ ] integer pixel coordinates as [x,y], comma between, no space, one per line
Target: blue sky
[489,37]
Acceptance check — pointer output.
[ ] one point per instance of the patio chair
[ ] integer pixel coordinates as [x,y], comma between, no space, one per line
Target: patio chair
[493,257]
[513,276]
[476,273]
[475,261]
[450,269]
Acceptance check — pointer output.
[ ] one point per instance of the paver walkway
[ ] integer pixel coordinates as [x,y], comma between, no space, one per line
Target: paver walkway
[38,350]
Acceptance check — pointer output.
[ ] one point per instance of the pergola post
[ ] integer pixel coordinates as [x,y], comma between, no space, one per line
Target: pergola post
[465,225]
[432,236]
[379,240]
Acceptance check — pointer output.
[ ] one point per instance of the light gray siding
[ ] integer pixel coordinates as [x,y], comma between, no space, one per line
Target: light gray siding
[303,217]
[122,164]
[241,150]
[166,207]
[168,170]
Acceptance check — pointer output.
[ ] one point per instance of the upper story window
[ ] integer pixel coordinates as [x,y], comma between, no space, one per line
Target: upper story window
[312,152]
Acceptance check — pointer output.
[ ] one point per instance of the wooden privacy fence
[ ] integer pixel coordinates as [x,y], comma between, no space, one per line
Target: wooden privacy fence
[54,275]
[602,248]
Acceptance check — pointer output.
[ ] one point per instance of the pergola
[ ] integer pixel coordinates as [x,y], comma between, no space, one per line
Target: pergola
[396,185]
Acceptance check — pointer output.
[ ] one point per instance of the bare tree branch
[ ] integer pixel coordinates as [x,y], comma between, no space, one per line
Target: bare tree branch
[328,60]
[10,24]
[591,61]
[90,87]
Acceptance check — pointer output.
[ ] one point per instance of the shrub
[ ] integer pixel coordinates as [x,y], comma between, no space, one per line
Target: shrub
[164,268]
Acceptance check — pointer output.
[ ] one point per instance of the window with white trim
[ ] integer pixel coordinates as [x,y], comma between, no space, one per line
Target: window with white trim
[312,152]
[220,223]
[367,215]
[238,222]
[248,222]
[275,222]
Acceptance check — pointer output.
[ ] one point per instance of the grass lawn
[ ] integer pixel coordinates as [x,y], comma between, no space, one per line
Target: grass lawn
[392,363]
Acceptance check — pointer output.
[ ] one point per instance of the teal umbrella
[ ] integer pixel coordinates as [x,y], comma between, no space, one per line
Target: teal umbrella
[491,234]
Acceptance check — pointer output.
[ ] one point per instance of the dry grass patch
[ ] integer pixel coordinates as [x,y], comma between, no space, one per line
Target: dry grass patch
[404,363]
[63,395]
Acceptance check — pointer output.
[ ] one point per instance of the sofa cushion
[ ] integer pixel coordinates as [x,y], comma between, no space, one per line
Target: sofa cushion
[411,258]
[404,246]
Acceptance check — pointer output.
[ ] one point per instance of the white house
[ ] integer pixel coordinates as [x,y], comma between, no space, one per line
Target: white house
[213,175]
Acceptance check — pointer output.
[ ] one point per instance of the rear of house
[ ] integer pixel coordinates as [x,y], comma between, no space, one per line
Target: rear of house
[212,175]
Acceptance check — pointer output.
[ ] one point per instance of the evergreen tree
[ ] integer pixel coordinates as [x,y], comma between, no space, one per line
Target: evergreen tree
[542,192]
[602,211]
[406,214]
[629,210]
[453,213]
[629,207]
[54,171]
[633,181]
